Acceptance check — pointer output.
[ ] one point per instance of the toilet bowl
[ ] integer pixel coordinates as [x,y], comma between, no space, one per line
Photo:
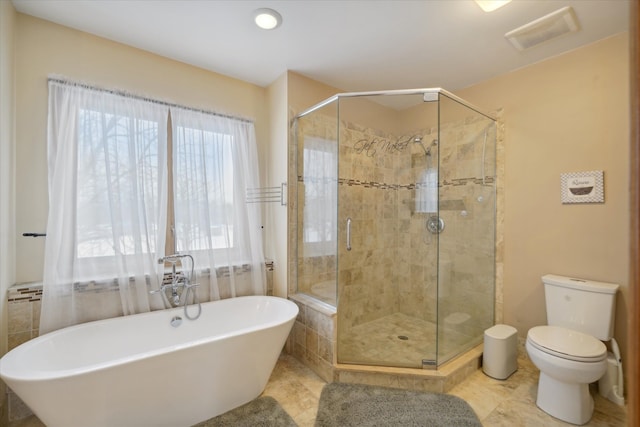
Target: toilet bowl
[569,350]
[568,361]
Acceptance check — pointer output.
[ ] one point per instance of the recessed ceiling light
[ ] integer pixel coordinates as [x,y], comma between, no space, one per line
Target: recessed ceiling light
[267,19]
[491,5]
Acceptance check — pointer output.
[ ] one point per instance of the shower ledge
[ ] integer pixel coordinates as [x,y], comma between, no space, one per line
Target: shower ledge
[314,303]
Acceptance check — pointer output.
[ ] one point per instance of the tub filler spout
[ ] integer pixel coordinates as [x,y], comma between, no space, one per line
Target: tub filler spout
[175,296]
[180,281]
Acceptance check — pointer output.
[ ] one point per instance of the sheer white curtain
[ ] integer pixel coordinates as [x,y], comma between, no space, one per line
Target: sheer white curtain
[320,172]
[215,161]
[107,205]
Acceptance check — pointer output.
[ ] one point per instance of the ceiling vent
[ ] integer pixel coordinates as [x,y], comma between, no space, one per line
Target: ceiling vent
[562,21]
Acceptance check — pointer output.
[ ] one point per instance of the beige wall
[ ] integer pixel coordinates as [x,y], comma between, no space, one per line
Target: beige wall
[44,48]
[275,215]
[566,114]
[7,150]
[303,92]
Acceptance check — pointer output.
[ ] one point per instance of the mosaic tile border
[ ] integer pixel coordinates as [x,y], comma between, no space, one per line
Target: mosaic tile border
[31,292]
[25,292]
[412,186]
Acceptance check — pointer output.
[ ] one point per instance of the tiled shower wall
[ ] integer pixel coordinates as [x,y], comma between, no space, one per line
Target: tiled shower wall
[370,191]
[393,255]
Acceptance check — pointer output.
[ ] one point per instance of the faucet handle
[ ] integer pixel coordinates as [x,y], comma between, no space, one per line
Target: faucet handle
[161,289]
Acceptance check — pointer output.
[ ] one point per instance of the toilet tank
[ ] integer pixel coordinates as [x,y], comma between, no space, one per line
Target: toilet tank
[582,305]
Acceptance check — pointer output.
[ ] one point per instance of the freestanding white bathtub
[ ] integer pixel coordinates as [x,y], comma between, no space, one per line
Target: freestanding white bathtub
[141,371]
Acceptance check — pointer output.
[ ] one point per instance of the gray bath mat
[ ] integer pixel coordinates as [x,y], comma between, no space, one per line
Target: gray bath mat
[367,406]
[261,412]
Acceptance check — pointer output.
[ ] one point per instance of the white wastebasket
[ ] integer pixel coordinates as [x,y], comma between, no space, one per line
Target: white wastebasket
[500,355]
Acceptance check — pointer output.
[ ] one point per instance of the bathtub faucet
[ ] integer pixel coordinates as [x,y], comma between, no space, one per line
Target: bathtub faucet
[178,279]
[175,296]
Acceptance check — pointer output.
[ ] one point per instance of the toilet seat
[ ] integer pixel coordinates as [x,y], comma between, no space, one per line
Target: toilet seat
[567,344]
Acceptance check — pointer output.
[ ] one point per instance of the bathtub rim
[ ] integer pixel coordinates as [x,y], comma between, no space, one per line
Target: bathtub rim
[35,375]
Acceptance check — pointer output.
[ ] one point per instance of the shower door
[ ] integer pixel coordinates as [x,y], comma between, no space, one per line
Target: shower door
[416,228]
[387,258]
[467,207]
[316,203]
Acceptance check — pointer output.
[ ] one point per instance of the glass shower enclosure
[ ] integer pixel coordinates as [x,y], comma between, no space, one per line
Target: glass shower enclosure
[396,223]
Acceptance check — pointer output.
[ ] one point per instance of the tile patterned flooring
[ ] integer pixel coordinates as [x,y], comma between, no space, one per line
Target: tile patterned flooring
[497,403]
[509,403]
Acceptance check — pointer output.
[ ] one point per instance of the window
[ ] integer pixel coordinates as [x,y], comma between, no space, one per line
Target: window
[120,152]
[320,171]
[203,183]
[132,178]
[124,173]
[214,161]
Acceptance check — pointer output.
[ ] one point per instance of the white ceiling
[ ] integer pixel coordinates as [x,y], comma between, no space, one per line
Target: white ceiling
[349,44]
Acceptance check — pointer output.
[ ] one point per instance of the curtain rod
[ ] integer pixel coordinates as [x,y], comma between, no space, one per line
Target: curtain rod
[144,98]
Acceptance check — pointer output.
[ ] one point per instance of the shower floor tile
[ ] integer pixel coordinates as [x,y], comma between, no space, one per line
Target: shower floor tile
[398,340]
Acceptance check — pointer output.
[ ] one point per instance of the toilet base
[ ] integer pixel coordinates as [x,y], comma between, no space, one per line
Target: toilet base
[570,402]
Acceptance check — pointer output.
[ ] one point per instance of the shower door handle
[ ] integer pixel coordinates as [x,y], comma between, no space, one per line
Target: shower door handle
[348,234]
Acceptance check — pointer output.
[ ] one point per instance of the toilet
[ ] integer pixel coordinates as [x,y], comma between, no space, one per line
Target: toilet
[569,351]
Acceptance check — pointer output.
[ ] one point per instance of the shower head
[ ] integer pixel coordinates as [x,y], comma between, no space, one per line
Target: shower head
[418,140]
[427,151]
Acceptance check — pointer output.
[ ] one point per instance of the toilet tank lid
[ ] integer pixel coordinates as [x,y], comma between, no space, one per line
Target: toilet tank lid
[582,284]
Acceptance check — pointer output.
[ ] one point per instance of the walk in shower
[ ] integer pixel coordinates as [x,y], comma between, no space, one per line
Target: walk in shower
[396,208]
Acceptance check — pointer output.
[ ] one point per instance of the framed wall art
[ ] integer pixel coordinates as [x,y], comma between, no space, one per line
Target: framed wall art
[582,187]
